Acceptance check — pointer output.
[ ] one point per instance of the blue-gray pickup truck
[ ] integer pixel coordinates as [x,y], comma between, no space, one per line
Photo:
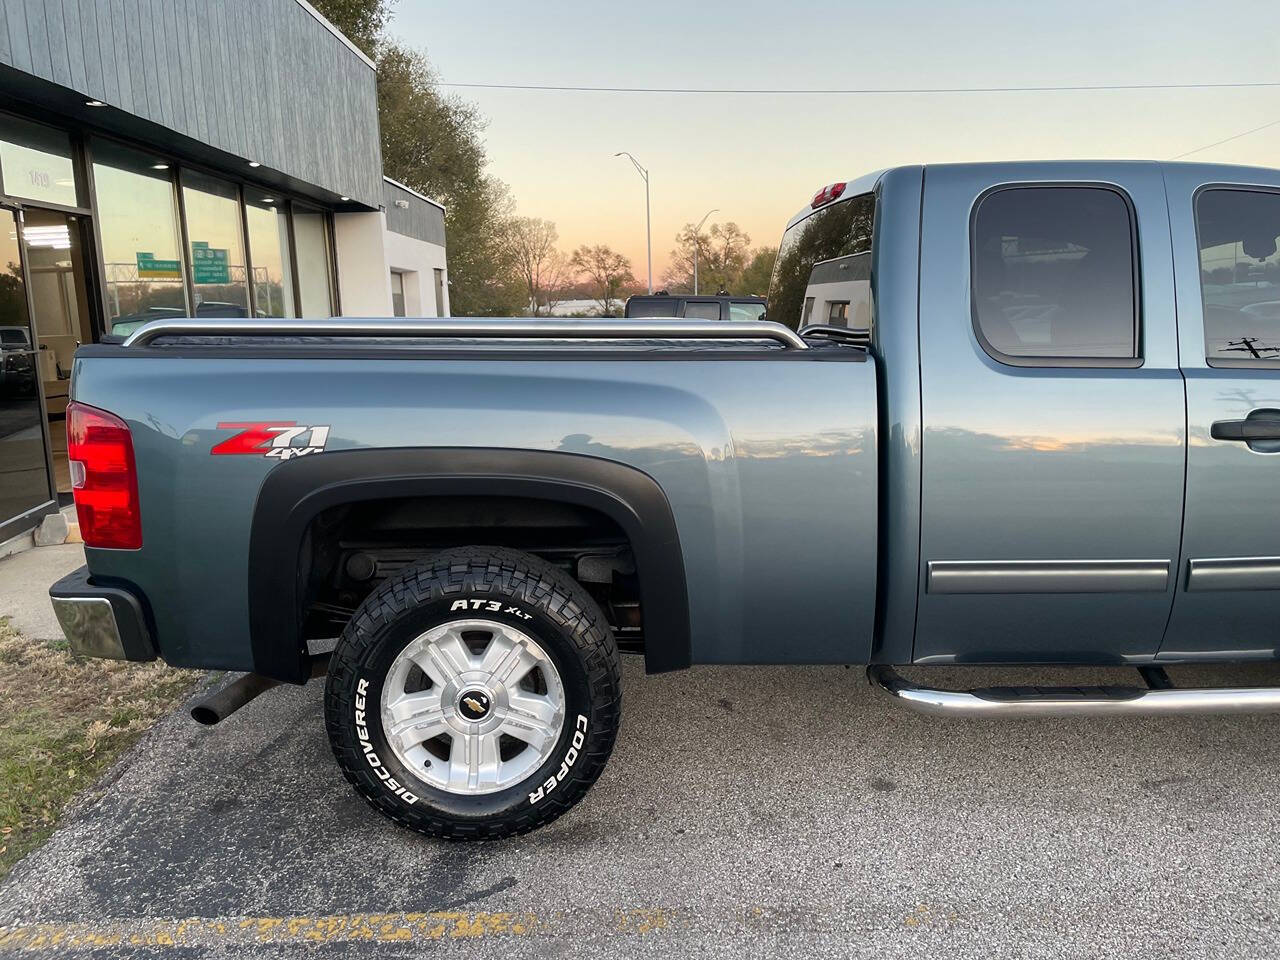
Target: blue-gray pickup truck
[1013,414]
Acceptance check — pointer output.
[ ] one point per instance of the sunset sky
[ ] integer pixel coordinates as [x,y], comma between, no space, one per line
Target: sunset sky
[759,158]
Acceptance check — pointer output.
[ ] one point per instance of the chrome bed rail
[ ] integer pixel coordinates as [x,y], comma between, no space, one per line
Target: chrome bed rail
[483,328]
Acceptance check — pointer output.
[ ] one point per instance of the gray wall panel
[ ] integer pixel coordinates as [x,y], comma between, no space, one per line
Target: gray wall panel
[75,44]
[4,34]
[262,80]
[56,27]
[38,39]
[420,219]
[19,44]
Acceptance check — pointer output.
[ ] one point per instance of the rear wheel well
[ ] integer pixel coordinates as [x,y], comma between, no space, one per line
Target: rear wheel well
[351,548]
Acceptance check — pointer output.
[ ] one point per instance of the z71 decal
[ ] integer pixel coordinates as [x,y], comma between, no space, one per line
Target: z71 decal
[271,439]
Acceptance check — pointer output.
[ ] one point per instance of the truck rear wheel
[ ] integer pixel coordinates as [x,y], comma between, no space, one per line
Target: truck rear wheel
[474,696]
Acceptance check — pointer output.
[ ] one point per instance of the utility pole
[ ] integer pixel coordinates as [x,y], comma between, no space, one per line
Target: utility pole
[648,233]
[697,244]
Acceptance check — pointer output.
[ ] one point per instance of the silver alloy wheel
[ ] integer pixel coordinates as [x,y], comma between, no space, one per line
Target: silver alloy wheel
[472,706]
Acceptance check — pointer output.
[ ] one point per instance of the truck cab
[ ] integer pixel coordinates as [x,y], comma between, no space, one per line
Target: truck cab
[1079,367]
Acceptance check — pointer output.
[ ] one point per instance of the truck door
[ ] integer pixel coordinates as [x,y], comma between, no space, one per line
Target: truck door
[1053,414]
[1228,268]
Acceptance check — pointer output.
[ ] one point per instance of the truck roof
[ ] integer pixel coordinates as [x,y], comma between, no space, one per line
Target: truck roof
[1025,169]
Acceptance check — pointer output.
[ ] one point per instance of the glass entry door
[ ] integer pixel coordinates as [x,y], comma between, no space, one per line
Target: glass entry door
[24,461]
[53,247]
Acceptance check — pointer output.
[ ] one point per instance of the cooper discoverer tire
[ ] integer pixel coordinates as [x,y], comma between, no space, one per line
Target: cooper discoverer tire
[474,696]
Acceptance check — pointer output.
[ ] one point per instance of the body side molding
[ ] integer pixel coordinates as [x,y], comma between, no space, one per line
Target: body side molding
[1048,576]
[296,491]
[1234,573]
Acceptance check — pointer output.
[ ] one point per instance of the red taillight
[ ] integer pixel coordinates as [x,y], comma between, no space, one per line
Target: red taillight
[104,479]
[827,194]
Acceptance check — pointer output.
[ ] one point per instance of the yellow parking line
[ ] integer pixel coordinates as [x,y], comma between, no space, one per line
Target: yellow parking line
[366,927]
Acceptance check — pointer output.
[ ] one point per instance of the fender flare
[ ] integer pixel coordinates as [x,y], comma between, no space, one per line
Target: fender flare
[297,491]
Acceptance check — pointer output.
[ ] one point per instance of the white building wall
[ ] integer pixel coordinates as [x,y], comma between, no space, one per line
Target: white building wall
[418,260]
[364,284]
[367,252]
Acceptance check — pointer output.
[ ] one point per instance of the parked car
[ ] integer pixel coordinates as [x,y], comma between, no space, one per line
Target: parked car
[17,364]
[1060,444]
[719,307]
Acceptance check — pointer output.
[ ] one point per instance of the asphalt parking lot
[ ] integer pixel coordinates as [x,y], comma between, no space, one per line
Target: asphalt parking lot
[746,812]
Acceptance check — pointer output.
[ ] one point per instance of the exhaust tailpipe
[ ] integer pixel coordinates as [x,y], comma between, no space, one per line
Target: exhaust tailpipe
[221,704]
[217,706]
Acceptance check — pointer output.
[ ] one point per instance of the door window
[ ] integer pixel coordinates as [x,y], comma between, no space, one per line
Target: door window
[1054,277]
[1238,233]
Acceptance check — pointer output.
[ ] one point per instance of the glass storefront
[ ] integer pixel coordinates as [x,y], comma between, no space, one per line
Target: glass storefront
[141,246]
[311,239]
[161,240]
[269,249]
[219,277]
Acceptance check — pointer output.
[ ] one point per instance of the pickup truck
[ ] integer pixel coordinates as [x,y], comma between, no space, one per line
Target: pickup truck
[1057,441]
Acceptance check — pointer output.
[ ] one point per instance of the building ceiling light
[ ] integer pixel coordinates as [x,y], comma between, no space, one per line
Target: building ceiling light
[159,166]
[254,163]
[94,103]
[268,199]
[54,237]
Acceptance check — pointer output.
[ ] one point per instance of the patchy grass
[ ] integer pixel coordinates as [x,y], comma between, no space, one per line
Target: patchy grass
[63,721]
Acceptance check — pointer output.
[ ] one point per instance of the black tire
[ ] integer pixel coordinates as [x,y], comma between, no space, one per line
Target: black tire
[551,608]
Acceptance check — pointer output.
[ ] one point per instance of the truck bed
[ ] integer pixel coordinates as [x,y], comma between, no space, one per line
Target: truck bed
[765,452]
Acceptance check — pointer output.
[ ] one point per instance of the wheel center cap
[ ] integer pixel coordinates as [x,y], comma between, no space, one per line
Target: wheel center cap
[474,705]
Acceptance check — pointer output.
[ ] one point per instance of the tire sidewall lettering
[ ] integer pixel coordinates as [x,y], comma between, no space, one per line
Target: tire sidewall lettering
[570,757]
[399,784]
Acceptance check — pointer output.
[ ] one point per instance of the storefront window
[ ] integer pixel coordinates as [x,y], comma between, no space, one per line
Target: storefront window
[36,164]
[269,255]
[141,250]
[311,239]
[216,254]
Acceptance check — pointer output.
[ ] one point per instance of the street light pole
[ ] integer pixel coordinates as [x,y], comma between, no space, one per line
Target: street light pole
[697,245]
[648,233]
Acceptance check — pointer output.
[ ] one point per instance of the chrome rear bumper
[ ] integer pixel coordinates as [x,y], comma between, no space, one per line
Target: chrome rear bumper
[104,621]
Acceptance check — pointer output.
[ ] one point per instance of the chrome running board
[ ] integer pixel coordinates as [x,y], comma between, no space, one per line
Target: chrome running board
[1073,701]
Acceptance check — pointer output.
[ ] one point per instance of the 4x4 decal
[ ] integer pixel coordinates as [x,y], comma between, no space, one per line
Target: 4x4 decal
[271,439]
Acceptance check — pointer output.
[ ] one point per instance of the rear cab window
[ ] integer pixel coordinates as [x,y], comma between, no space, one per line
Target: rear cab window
[804,285]
[1238,235]
[701,310]
[1054,276]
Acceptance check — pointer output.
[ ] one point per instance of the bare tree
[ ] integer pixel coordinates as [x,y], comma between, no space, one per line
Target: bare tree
[607,270]
[556,280]
[532,242]
[722,257]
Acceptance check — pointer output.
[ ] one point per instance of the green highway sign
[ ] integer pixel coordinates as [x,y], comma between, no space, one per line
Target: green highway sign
[209,264]
[149,268]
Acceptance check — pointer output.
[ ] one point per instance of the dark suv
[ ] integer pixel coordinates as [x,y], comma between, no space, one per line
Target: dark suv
[696,308]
